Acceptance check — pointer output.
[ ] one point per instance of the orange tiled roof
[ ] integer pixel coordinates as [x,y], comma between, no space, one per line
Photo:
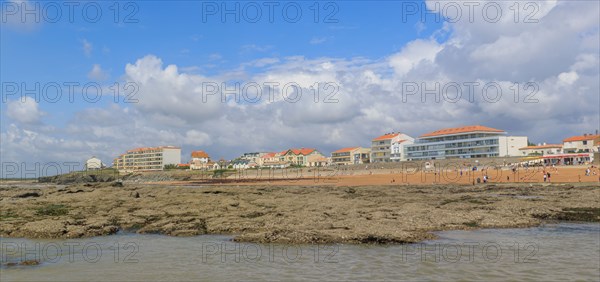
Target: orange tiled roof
[581,138]
[199,154]
[386,136]
[464,129]
[301,151]
[343,150]
[542,147]
[269,155]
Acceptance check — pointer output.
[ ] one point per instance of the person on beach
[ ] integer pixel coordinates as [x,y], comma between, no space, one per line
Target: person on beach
[545,176]
[548,176]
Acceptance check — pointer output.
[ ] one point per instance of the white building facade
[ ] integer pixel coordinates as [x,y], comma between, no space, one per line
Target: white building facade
[464,142]
[388,147]
[149,158]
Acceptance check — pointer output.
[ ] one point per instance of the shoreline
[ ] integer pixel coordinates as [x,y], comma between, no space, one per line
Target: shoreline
[380,214]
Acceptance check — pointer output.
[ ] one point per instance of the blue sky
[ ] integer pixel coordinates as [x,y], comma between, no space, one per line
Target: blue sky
[177,33]
[366,48]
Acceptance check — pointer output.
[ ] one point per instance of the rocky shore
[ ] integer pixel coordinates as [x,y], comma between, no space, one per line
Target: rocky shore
[290,214]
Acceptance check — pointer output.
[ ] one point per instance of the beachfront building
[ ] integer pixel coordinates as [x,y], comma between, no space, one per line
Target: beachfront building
[474,141]
[93,163]
[200,161]
[242,164]
[351,155]
[542,150]
[300,157]
[272,160]
[388,147]
[587,143]
[317,160]
[254,158]
[148,158]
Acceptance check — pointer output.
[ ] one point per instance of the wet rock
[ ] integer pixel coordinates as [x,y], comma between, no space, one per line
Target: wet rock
[28,195]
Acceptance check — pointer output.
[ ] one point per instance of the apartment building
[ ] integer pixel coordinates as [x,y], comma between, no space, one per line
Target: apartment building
[473,141]
[351,155]
[542,150]
[388,147]
[587,143]
[148,158]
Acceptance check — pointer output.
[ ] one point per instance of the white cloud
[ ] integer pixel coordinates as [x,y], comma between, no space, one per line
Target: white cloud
[197,138]
[414,53]
[171,109]
[97,73]
[87,47]
[13,15]
[317,40]
[24,110]
[568,77]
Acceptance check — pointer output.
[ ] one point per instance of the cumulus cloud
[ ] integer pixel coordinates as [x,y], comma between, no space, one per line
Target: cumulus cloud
[25,110]
[97,73]
[547,73]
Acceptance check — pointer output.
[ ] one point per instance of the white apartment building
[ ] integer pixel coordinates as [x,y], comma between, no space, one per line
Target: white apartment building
[93,163]
[148,158]
[388,147]
[465,142]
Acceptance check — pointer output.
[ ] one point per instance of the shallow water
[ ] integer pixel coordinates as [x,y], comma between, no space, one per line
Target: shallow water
[564,251]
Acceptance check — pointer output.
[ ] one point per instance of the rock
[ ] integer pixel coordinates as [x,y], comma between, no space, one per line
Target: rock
[30,262]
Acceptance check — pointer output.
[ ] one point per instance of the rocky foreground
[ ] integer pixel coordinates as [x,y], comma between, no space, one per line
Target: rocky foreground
[312,214]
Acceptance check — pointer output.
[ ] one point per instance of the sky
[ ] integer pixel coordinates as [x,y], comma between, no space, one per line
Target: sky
[97,78]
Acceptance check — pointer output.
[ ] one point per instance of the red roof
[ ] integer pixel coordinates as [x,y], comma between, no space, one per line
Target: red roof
[301,151]
[581,138]
[542,147]
[199,154]
[386,136]
[343,150]
[268,155]
[183,165]
[464,129]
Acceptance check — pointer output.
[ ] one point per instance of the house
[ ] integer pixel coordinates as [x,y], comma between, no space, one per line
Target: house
[241,164]
[272,160]
[200,160]
[317,160]
[351,155]
[93,163]
[388,147]
[254,158]
[542,150]
[586,143]
[474,141]
[300,157]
